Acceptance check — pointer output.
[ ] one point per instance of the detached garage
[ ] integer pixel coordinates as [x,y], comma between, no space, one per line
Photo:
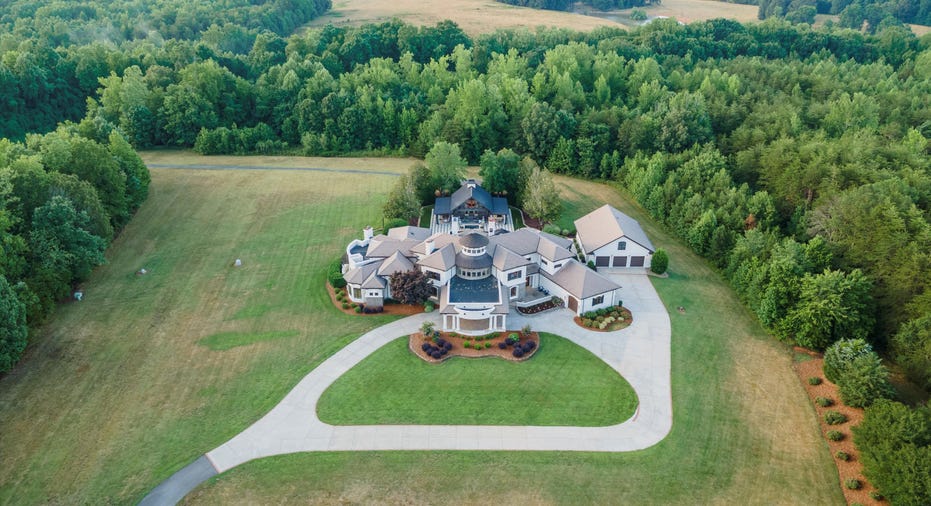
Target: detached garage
[611,239]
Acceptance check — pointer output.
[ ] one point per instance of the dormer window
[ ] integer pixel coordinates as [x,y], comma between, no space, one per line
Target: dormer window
[621,245]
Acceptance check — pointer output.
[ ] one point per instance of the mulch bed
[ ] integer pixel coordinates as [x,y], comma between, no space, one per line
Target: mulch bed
[395,309]
[458,350]
[618,325]
[539,308]
[845,469]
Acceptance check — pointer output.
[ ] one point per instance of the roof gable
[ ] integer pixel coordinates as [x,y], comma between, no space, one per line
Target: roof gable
[443,259]
[580,281]
[395,263]
[605,225]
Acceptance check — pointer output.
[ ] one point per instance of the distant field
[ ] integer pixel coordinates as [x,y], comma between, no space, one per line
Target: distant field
[482,16]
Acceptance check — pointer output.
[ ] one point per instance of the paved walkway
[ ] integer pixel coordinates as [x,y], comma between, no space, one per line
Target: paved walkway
[640,353]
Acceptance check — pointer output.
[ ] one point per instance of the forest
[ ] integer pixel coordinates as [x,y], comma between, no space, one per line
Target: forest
[871,15]
[796,160]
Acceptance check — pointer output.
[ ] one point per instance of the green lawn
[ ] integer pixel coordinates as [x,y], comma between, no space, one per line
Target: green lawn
[148,372]
[122,389]
[562,384]
[743,432]
[426,214]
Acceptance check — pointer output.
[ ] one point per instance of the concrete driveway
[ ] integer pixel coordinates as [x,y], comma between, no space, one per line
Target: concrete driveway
[640,353]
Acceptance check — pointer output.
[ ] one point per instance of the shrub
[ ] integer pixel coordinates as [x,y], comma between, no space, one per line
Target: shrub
[834,418]
[660,261]
[436,355]
[852,483]
[428,307]
[839,355]
[425,346]
[346,305]
[814,380]
[876,496]
[395,223]
[565,232]
[835,435]
[426,328]
[526,329]
[591,265]
[550,228]
[517,352]
[824,402]
[467,344]
[335,275]
[638,15]
[487,344]
[842,455]
[586,322]
[864,380]
[358,309]
[502,345]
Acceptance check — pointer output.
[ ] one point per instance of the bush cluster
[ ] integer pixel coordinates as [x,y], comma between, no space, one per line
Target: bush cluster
[824,402]
[814,380]
[522,349]
[372,310]
[842,455]
[834,418]
[835,435]
[335,274]
[438,349]
[853,483]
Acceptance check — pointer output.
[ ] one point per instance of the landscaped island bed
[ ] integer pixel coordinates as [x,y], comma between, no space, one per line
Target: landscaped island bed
[497,344]
[563,384]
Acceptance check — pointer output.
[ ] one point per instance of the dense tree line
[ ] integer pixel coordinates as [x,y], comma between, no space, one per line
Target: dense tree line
[52,53]
[63,195]
[869,15]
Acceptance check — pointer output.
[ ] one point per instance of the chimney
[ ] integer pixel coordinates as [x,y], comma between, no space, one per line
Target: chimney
[492,225]
[367,233]
[455,226]
[430,245]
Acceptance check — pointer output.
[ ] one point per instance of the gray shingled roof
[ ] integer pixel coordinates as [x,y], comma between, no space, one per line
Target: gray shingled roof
[384,246]
[605,225]
[552,251]
[445,205]
[373,281]
[395,263]
[505,259]
[580,281]
[473,240]
[442,259]
[464,261]
[409,232]
[522,242]
[359,274]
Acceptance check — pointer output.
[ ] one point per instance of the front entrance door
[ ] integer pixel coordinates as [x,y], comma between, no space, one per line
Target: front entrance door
[528,280]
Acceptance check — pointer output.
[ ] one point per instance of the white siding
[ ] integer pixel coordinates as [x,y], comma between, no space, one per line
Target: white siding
[633,249]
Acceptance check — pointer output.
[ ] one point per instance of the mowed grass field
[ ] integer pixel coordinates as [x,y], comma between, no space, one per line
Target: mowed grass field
[149,372]
[562,384]
[743,432]
[483,16]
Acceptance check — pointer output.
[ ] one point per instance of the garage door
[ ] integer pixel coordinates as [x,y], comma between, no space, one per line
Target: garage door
[636,261]
[602,261]
[619,262]
[573,304]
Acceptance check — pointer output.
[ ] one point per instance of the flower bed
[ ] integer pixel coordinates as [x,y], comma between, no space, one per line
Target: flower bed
[341,301]
[509,345]
[606,320]
[554,303]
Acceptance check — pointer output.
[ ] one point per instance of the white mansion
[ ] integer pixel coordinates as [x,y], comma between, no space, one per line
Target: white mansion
[480,268]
